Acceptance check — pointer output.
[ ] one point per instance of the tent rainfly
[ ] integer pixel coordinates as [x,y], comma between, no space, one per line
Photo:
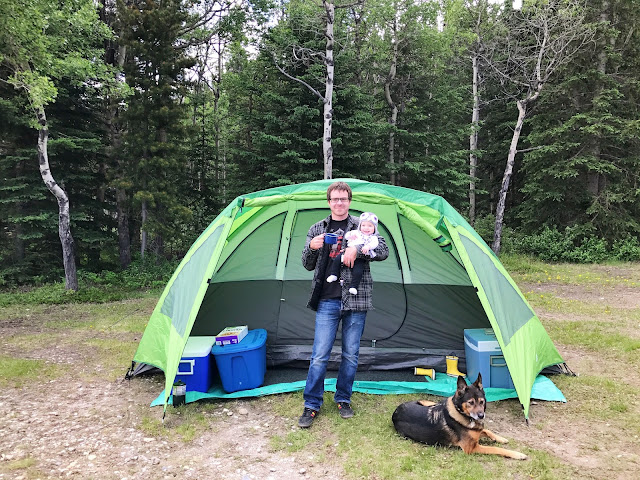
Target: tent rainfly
[440,278]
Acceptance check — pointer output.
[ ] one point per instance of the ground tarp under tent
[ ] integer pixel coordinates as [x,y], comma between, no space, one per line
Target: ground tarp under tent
[440,278]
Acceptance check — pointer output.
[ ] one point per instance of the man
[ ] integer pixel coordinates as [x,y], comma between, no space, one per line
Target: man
[333,303]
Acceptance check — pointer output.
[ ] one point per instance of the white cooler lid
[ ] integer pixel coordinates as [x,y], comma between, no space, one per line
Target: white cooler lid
[198,346]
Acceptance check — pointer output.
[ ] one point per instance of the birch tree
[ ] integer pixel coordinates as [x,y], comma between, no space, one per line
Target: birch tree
[536,42]
[481,8]
[306,56]
[42,41]
[407,32]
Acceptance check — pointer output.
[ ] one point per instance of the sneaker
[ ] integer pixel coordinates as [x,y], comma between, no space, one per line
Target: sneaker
[307,417]
[345,410]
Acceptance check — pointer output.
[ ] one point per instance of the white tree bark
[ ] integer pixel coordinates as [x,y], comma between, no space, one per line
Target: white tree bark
[506,178]
[64,218]
[305,56]
[327,114]
[393,107]
[543,38]
[473,141]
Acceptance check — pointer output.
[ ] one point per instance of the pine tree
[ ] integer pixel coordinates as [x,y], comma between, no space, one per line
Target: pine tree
[585,170]
[156,118]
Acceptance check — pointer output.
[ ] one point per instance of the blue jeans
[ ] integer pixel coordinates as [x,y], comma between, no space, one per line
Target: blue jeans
[328,317]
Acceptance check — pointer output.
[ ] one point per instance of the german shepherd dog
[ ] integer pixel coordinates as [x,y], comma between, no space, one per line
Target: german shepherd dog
[457,420]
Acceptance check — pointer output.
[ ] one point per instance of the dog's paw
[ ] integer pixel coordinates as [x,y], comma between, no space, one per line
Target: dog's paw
[500,439]
[516,455]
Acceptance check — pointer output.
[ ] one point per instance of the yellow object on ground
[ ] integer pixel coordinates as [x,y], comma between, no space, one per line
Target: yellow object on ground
[429,372]
[452,366]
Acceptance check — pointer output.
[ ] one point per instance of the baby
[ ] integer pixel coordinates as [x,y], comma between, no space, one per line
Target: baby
[366,236]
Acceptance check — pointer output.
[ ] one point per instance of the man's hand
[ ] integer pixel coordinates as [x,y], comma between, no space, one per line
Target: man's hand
[349,256]
[317,242]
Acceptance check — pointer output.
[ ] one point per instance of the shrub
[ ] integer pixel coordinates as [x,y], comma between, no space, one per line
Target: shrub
[549,245]
[573,245]
[485,226]
[627,249]
[106,286]
[590,250]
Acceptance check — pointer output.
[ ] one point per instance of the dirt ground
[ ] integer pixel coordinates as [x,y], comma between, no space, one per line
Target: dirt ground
[94,429]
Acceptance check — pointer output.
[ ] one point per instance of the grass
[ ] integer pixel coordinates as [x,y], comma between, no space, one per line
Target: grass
[105,335]
[21,464]
[55,294]
[185,422]
[367,447]
[19,371]
[596,336]
[602,334]
[531,270]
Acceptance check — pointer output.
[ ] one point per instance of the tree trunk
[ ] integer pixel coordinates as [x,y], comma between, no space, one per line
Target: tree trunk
[124,238]
[327,149]
[18,241]
[216,100]
[357,42]
[506,179]
[122,208]
[393,118]
[143,228]
[158,247]
[596,182]
[64,220]
[473,143]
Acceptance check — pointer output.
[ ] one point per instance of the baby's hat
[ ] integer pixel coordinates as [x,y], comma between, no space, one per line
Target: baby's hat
[369,217]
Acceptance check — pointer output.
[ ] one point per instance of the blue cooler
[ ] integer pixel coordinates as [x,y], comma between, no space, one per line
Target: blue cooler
[242,365]
[195,367]
[483,355]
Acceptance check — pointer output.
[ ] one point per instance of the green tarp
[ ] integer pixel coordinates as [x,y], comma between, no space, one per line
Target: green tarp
[442,385]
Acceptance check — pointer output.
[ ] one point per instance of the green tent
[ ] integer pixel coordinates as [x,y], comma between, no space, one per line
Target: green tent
[440,278]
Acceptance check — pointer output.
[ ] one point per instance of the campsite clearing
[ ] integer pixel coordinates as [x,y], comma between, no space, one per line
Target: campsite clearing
[66,413]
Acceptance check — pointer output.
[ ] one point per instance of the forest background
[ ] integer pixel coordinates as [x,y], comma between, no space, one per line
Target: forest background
[126,127]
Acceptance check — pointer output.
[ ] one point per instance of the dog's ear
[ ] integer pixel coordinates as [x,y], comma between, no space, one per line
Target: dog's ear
[461,383]
[478,382]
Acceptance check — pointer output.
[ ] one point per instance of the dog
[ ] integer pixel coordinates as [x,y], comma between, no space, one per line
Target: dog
[456,420]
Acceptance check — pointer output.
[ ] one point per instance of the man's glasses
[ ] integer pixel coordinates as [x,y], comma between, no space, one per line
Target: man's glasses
[339,200]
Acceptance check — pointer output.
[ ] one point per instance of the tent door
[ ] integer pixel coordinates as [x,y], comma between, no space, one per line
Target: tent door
[296,322]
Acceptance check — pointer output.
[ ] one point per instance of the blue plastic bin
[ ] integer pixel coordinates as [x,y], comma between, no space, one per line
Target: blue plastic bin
[196,365]
[483,355]
[242,365]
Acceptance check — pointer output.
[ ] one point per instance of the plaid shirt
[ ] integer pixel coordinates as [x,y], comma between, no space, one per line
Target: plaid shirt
[317,260]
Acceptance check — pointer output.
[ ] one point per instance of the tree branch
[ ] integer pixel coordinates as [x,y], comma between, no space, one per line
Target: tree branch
[348,5]
[313,90]
[524,150]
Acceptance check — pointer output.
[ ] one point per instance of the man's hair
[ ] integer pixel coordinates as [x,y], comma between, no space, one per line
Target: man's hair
[338,186]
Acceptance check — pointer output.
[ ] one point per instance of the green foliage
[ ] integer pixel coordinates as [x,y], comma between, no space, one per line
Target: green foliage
[181,134]
[572,245]
[627,249]
[155,141]
[144,273]
[485,226]
[100,287]
[584,167]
